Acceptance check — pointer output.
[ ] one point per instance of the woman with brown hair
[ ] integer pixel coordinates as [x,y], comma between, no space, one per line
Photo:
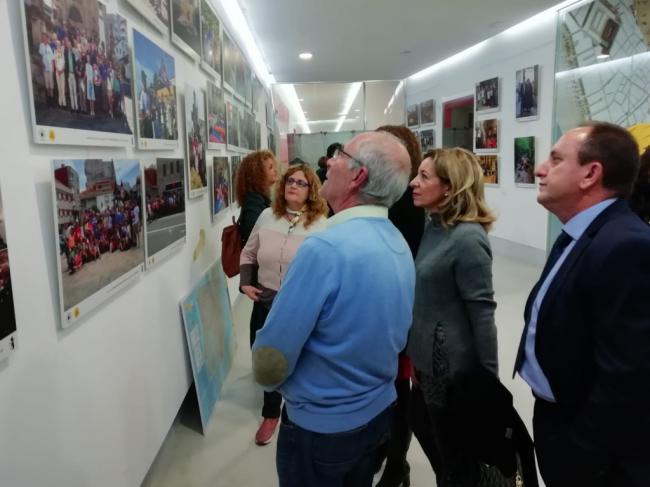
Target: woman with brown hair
[256,174]
[453,313]
[297,211]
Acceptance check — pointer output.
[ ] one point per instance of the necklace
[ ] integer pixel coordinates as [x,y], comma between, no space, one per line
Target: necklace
[294,218]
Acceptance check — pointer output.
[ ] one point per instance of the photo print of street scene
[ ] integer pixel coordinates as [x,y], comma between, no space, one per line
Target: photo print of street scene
[78,59]
[195,141]
[164,192]
[98,219]
[220,185]
[186,25]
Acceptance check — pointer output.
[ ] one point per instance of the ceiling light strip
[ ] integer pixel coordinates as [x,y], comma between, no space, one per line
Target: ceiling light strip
[349,100]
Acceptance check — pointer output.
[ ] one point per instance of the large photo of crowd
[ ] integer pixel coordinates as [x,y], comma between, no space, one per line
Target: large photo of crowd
[220,185]
[526,95]
[216,116]
[78,59]
[7,312]
[155,84]
[487,95]
[525,161]
[186,26]
[210,40]
[98,217]
[154,11]
[195,141]
[164,190]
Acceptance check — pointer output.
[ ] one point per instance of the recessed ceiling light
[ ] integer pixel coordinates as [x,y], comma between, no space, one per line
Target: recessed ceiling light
[305,56]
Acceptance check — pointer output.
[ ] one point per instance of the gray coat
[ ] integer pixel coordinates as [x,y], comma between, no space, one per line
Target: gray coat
[454,301]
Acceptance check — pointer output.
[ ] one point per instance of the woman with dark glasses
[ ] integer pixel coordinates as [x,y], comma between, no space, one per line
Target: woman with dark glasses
[297,211]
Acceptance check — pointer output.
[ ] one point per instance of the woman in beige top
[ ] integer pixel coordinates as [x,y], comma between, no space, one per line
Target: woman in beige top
[297,211]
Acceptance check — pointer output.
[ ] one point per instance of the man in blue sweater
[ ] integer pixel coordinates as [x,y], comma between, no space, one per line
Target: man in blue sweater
[331,341]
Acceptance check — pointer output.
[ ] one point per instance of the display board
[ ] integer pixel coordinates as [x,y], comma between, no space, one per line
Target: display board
[77,67]
[155,88]
[210,42]
[186,26]
[156,12]
[221,185]
[216,117]
[208,328]
[7,311]
[195,141]
[165,222]
[98,231]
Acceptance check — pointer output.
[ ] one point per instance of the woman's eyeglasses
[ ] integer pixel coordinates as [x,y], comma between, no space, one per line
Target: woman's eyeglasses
[298,182]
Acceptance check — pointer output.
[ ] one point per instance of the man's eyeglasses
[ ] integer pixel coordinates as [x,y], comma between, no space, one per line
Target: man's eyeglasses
[298,182]
[340,151]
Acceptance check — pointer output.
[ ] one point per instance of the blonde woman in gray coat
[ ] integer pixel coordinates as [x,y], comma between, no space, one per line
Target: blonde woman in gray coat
[453,317]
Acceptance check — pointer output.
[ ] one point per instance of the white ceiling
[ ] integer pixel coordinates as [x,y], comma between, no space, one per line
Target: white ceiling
[356,40]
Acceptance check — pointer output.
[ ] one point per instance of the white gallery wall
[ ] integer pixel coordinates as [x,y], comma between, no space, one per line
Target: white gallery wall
[91,404]
[521,220]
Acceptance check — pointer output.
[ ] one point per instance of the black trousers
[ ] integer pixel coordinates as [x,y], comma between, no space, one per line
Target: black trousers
[272,400]
[400,435]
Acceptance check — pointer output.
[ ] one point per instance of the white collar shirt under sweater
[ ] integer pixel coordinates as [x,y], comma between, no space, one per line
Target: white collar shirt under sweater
[271,247]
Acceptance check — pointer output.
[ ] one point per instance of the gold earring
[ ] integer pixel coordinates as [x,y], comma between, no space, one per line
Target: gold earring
[446,194]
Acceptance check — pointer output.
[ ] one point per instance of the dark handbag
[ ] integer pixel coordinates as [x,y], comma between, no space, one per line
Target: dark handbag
[231,249]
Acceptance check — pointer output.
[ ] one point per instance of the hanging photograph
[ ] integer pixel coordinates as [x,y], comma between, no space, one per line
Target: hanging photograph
[207,319]
[427,112]
[78,67]
[216,117]
[258,136]
[156,12]
[486,135]
[7,312]
[490,166]
[164,192]
[526,95]
[233,122]
[155,88]
[427,140]
[412,116]
[487,95]
[195,141]
[229,54]
[186,27]
[235,161]
[99,237]
[271,142]
[525,161]
[211,42]
[220,185]
[246,130]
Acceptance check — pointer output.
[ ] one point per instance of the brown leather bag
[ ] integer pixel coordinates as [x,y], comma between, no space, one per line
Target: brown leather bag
[231,249]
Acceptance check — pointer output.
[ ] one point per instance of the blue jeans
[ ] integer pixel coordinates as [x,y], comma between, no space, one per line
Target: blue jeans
[347,459]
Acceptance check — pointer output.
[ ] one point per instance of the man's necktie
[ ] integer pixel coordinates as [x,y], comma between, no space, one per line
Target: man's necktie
[563,239]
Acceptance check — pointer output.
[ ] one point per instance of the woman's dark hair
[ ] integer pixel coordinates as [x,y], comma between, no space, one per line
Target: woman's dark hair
[251,175]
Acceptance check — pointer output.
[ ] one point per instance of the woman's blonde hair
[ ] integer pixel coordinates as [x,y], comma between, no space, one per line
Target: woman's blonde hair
[460,169]
[316,205]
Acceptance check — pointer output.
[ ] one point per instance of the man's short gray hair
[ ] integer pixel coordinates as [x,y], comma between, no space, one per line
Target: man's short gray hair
[387,178]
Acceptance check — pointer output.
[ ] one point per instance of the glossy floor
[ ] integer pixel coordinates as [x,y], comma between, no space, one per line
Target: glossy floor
[227,455]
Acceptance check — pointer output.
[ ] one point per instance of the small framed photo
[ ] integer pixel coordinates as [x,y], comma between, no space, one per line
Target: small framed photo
[490,166]
[486,135]
[527,91]
[412,116]
[487,96]
[427,140]
[525,161]
[427,112]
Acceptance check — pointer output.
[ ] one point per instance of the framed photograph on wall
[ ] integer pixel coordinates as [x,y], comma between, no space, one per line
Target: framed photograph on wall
[487,96]
[220,185]
[229,54]
[98,231]
[186,27]
[427,140]
[427,112]
[412,116]
[7,311]
[210,42]
[233,117]
[78,74]
[490,166]
[165,221]
[216,108]
[235,161]
[486,135]
[525,161]
[195,141]
[527,91]
[156,12]
[154,74]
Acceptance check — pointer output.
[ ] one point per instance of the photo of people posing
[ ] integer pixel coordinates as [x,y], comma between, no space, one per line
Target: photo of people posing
[164,192]
[78,60]
[526,99]
[216,117]
[7,313]
[195,141]
[99,224]
[186,25]
[525,160]
[211,39]
[487,95]
[427,140]
[490,166]
[155,82]
[486,135]
[220,185]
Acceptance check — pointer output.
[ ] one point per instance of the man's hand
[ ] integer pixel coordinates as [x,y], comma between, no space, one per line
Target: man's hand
[252,292]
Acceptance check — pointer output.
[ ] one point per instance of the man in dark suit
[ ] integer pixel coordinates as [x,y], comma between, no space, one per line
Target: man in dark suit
[586,344]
